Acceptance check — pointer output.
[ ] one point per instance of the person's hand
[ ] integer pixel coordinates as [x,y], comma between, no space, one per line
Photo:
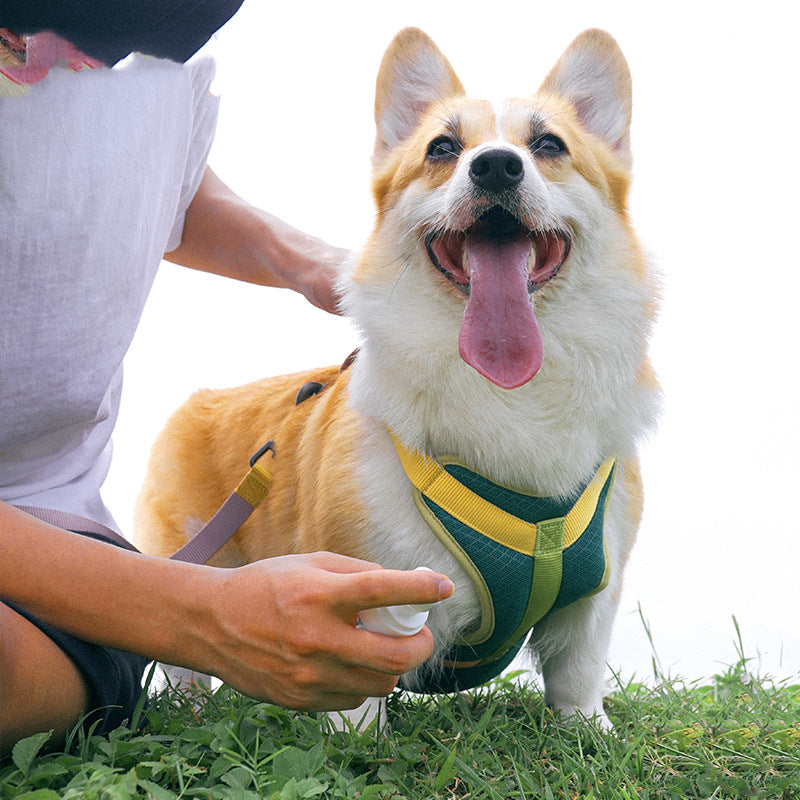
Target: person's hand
[224,234]
[284,629]
[311,266]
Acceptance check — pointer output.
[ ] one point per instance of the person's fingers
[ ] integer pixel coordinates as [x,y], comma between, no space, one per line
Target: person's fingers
[394,655]
[325,636]
[375,652]
[335,562]
[386,587]
[371,671]
[287,629]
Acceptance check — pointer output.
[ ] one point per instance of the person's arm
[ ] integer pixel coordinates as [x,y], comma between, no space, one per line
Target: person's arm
[281,630]
[226,235]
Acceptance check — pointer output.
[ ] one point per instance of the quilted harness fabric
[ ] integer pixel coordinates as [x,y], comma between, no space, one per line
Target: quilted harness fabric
[526,556]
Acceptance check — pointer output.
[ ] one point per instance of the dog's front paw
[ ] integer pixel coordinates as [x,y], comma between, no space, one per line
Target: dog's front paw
[594,713]
[359,719]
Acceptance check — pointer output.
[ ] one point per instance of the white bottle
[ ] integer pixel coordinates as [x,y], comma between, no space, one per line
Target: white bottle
[403,620]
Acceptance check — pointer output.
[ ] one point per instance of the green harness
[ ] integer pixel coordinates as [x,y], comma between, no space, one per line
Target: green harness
[526,556]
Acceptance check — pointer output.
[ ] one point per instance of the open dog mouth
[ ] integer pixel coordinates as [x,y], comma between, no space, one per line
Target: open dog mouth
[547,249]
[498,263]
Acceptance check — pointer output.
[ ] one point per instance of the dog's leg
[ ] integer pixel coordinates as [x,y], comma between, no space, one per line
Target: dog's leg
[359,719]
[572,643]
[183,679]
[572,646]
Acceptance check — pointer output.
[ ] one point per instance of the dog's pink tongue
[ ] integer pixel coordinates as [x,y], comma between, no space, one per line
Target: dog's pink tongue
[499,335]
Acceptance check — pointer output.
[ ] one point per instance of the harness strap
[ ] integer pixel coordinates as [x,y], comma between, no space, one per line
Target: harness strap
[522,567]
[548,570]
[436,483]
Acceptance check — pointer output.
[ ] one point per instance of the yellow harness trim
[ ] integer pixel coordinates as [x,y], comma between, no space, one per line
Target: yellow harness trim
[584,509]
[544,541]
[431,479]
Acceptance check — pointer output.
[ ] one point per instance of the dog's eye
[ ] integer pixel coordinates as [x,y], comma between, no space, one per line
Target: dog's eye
[443,147]
[548,145]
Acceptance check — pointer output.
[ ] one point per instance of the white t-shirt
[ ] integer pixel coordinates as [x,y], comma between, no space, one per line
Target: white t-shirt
[97,169]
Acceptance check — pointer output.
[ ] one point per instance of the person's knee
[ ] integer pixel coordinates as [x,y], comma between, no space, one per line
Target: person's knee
[41,689]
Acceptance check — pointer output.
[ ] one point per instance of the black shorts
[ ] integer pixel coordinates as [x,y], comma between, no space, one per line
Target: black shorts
[113,678]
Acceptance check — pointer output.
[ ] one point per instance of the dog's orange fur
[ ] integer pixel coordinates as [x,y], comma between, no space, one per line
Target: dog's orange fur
[312,505]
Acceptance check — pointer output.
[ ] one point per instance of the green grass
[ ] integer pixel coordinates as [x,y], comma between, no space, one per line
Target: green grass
[732,737]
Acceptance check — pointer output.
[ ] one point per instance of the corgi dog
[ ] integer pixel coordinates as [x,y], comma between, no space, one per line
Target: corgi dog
[504,305]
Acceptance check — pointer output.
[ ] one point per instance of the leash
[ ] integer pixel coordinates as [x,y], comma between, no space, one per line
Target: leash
[211,538]
[232,514]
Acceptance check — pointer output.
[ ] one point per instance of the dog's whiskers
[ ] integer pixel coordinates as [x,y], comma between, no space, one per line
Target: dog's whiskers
[406,263]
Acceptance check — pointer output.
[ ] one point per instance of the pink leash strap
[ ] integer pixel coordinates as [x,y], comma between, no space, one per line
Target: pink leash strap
[232,513]
[216,532]
[214,535]
[73,522]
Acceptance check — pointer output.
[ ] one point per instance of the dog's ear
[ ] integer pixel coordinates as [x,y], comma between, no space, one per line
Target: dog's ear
[413,74]
[593,76]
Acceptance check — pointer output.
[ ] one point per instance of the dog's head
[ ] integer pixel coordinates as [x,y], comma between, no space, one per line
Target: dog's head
[489,206]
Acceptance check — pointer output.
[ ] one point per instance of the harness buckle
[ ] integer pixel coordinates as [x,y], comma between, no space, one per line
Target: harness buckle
[269,446]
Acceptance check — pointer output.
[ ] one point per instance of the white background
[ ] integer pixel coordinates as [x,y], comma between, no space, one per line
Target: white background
[716,171]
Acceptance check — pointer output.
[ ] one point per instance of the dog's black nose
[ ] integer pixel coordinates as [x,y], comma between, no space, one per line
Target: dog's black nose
[496,170]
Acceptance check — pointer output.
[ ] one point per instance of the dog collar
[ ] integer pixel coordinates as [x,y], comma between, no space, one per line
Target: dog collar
[525,555]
